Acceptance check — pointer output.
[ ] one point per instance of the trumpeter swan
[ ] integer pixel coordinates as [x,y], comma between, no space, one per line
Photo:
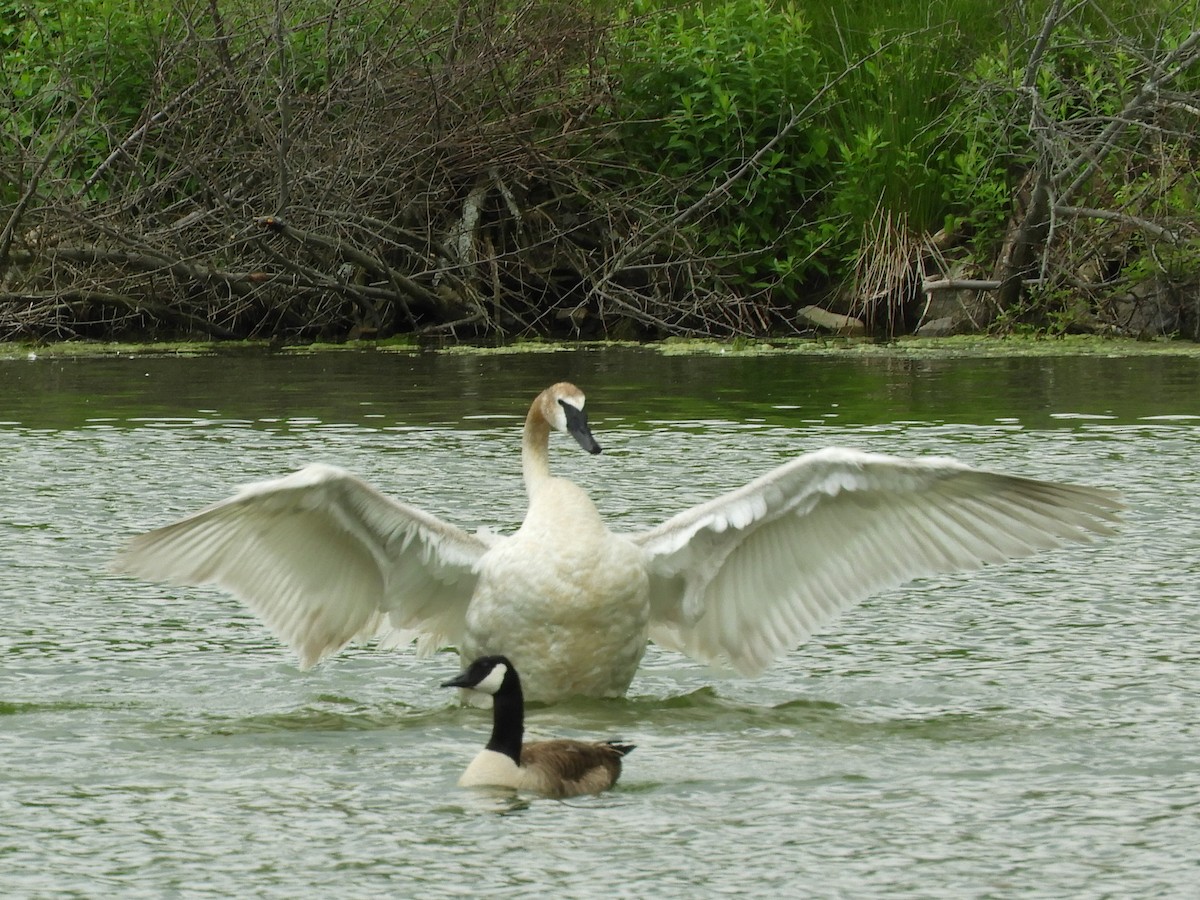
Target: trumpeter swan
[323,558]
[560,768]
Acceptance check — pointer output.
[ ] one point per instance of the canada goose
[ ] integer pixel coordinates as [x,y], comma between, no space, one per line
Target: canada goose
[323,558]
[561,768]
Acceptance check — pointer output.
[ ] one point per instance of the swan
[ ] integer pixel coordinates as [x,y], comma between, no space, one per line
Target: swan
[560,768]
[323,558]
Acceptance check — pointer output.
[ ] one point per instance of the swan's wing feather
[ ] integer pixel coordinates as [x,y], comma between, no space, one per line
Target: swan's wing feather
[322,558]
[743,578]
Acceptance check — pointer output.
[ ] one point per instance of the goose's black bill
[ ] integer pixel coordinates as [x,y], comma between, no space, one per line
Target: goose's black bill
[461,680]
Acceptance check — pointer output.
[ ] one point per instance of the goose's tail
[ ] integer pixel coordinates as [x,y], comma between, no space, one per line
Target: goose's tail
[620,747]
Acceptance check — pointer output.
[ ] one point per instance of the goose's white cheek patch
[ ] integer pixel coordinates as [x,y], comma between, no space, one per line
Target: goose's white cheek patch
[494,679]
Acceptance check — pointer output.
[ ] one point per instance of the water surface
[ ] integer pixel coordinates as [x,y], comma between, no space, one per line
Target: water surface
[1028,731]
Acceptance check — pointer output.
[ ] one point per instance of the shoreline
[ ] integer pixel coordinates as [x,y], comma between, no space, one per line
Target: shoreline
[958,345]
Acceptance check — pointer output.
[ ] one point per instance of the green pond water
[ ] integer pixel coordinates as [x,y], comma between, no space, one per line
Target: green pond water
[1031,730]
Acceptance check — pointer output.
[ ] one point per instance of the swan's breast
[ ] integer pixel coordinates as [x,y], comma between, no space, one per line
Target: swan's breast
[565,599]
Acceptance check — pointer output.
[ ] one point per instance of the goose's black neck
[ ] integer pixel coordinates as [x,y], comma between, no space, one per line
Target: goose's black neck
[508,718]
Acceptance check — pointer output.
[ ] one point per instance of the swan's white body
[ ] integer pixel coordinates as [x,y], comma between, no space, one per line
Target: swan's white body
[585,581]
[323,559]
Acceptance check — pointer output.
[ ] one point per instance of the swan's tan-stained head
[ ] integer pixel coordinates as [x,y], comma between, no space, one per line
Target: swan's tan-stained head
[561,407]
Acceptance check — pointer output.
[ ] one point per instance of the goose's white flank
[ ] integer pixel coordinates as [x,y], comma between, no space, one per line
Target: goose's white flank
[560,768]
[323,558]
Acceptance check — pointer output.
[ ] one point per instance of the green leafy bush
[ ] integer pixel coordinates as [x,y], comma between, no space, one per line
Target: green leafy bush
[86,60]
[702,88]
[701,91]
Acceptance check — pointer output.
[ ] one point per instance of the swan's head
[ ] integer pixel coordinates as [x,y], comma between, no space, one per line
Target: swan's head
[488,675]
[562,407]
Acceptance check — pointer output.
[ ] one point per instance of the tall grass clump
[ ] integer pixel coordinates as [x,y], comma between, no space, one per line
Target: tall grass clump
[902,65]
[897,171]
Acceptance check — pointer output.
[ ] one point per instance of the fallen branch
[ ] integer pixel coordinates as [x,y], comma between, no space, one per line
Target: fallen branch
[1085,212]
[145,262]
[972,284]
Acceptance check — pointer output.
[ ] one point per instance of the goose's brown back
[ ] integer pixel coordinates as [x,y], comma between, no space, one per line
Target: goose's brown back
[566,768]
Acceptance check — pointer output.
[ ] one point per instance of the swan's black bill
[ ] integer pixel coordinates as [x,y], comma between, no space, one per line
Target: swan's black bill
[577,427]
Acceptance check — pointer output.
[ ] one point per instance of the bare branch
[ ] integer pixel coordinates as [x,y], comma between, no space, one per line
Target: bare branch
[286,88]
[970,284]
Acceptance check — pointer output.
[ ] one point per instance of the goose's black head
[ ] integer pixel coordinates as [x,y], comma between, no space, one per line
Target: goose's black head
[488,675]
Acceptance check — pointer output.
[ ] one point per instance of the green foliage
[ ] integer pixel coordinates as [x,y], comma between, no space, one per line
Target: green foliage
[1080,91]
[703,87]
[1051,312]
[913,112]
[702,90]
[89,60]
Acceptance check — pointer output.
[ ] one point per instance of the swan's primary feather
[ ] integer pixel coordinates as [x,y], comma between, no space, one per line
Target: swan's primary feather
[323,559]
[741,579]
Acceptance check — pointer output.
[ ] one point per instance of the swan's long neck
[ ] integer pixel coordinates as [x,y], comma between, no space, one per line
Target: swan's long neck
[535,444]
[508,720]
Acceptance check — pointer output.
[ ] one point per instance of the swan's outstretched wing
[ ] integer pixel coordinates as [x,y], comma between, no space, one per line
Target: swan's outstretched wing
[322,558]
[742,579]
